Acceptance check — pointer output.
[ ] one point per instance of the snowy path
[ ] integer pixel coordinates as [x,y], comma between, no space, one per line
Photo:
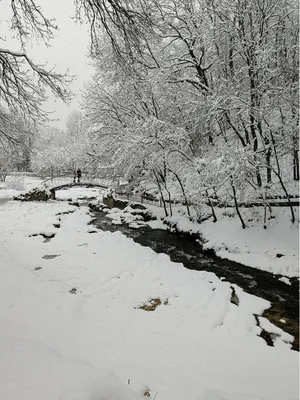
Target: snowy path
[55,345]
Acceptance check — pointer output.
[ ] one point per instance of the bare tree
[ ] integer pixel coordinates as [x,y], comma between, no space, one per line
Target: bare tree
[22,81]
[124,22]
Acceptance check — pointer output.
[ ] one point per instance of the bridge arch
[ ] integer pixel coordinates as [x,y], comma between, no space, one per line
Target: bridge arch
[67,181]
[70,185]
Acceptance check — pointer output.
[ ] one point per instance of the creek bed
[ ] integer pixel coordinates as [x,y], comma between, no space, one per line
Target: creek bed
[187,249]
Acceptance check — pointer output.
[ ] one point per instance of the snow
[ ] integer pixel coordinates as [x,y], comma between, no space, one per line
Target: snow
[77,193]
[8,193]
[55,344]
[275,249]
[33,370]
[255,246]
[217,395]
[28,183]
[285,280]
[281,338]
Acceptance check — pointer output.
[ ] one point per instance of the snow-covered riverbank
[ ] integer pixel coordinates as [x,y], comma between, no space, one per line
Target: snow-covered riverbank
[68,318]
[275,249]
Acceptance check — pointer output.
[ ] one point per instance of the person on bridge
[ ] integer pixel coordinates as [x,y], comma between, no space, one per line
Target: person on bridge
[78,175]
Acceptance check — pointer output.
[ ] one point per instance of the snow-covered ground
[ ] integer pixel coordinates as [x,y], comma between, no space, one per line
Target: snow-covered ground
[67,321]
[15,184]
[77,193]
[275,249]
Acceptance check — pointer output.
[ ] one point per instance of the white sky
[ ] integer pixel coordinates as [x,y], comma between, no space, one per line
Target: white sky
[68,51]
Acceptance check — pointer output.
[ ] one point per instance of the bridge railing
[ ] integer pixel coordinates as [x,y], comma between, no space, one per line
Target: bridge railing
[138,198]
[70,179]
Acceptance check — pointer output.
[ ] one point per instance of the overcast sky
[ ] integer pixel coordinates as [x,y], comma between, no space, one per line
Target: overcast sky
[68,50]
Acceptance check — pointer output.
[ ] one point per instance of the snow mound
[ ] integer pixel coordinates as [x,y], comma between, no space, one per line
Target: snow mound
[285,280]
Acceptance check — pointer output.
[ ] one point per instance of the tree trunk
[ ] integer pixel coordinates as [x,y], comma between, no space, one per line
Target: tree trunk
[255,147]
[268,162]
[164,204]
[254,101]
[258,177]
[183,192]
[212,207]
[236,203]
[161,193]
[278,174]
[287,197]
[295,160]
[170,204]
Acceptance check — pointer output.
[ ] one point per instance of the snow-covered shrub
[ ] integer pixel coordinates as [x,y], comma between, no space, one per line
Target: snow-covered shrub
[35,194]
[15,182]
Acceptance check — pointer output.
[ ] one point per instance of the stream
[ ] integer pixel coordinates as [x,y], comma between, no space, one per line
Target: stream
[187,249]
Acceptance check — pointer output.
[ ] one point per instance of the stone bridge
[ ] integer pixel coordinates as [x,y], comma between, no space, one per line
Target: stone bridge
[67,181]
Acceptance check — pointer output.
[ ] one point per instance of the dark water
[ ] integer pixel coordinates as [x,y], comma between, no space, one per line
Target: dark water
[187,250]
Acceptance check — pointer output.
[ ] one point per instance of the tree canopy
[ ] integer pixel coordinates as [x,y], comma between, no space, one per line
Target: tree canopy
[194,96]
